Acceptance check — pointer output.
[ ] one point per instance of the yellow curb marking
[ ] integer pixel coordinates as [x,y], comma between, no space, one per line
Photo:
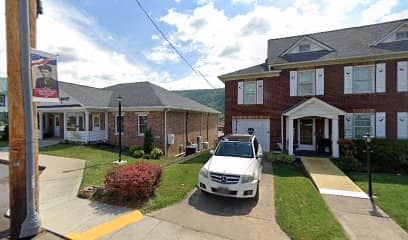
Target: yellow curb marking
[107,228]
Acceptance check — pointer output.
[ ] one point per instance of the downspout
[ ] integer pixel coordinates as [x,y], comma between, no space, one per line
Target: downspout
[32,223]
[187,115]
[165,132]
[282,132]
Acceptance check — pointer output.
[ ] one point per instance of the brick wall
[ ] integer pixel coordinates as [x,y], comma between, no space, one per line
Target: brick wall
[277,99]
[197,125]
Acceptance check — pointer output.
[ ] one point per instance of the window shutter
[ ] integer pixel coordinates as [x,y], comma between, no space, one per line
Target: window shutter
[293,83]
[402,119]
[320,81]
[240,92]
[259,92]
[380,76]
[348,126]
[380,124]
[402,76]
[348,79]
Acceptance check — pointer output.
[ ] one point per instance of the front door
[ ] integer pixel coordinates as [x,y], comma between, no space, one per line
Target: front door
[57,124]
[306,134]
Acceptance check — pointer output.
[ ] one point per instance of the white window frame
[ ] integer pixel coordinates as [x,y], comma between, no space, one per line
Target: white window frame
[77,122]
[372,73]
[116,124]
[299,73]
[94,116]
[139,133]
[309,47]
[372,125]
[403,38]
[3,100]
[245,93]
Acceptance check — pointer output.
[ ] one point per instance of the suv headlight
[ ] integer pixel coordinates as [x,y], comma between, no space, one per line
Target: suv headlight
[247,178]
[204,172]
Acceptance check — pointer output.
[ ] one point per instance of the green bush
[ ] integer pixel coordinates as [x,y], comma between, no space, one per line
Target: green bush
[280,157]
[349,164]
[138,153]
[134,148]
[387,155]
[147,156]
[148,141]
[156,153]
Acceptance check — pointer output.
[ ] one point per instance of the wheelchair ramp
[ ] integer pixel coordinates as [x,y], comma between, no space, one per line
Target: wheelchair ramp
[329,179]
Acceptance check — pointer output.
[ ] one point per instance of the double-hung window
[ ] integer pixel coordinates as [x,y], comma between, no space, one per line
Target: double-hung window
[250,92]
[96,121]
[119,121]
[362,125]
[363,79]
[402,35]
[304,48]
[142,124]
[2,100]
[306,83]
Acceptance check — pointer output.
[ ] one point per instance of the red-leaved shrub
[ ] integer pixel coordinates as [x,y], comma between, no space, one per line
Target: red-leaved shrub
[138,181]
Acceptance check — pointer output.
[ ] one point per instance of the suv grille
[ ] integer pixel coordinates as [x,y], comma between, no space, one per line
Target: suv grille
[224,178]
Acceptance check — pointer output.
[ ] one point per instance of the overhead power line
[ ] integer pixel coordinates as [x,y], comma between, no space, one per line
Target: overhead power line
[198,72]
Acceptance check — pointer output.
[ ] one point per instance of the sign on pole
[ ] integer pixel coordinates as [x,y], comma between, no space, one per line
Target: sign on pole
[44,77]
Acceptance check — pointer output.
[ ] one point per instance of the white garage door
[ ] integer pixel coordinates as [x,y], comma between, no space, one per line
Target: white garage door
[260,126]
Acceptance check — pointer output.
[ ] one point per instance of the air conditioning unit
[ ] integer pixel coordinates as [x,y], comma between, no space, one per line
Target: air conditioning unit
[205,145]
[170,139]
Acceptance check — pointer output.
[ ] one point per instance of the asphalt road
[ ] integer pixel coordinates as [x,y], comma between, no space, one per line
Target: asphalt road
[4,199]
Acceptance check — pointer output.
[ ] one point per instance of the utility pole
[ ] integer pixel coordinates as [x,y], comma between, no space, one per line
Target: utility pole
[23,152]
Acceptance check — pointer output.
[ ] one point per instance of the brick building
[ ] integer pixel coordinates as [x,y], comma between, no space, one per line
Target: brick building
[89,115]
[318,88]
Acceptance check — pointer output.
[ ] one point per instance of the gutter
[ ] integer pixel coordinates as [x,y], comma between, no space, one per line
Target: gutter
[273,73]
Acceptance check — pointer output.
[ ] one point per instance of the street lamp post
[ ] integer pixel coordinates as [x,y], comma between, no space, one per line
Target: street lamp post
[367,139]
[119,123]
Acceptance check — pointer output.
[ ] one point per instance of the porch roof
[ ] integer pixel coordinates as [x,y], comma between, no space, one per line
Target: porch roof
[313,107]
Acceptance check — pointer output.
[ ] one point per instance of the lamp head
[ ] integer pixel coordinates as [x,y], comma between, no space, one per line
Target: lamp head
[119,99]
[367,138]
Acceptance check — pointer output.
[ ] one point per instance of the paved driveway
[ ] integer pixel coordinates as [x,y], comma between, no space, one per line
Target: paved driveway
[4,199]
[228,217]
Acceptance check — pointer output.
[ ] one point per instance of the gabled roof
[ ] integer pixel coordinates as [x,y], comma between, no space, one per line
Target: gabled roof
[346,43]
[135,95]
[311,40]
[342,44]
[320,104]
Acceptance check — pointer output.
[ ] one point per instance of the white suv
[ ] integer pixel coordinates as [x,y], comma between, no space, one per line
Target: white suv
[235,168]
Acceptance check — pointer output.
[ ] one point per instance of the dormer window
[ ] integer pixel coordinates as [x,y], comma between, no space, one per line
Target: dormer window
[304,48]
[402,35]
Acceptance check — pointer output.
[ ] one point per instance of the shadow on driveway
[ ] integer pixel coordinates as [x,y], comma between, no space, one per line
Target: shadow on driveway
[221,206]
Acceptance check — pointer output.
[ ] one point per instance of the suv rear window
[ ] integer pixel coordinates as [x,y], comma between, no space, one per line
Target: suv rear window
[235,149]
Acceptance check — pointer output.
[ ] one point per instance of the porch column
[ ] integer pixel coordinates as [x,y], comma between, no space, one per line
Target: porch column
[106,125]
[326,128]
[87,126]
[290,131]
[335,137]
[65,125]
[41,123]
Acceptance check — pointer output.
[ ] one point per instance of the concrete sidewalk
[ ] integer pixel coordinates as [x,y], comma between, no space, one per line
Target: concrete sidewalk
[329,179]
[363,220]
[60,210]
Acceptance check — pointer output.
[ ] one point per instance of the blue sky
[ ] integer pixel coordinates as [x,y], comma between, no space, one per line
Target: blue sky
[100,43]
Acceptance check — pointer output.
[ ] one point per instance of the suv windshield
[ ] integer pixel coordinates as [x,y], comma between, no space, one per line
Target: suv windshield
[235,149]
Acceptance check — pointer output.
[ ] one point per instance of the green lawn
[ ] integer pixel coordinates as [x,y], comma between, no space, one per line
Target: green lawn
[300,210]
[391,191]
[178,179]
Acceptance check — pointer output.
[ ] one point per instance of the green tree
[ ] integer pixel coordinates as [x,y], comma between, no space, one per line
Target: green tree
[148,141]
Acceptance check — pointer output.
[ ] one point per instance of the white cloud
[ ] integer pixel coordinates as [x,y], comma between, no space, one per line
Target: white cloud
[84,50]
[228,43]
[244,1]
[162,54]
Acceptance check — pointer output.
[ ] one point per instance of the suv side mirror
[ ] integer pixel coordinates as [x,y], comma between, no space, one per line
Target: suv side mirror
[212,152]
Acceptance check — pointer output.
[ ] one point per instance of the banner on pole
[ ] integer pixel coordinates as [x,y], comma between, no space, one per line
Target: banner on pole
[44,77]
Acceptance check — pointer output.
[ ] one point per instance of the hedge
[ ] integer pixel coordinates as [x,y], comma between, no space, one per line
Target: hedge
[386,155]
